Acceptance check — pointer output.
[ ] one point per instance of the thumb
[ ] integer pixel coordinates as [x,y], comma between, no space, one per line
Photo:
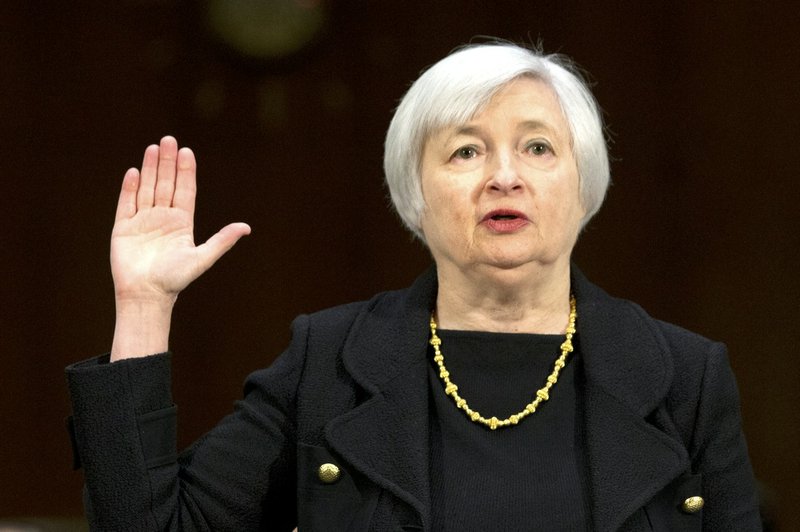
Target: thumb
[219,244]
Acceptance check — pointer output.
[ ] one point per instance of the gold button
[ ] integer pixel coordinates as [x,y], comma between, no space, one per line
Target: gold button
[328,473]
[693,504]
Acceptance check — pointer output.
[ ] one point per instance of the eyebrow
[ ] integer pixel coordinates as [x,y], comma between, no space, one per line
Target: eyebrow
[465,130]
[525,125]
[535,125]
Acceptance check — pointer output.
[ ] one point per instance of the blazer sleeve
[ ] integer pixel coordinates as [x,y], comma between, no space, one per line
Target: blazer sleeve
[239,476]
[719,451]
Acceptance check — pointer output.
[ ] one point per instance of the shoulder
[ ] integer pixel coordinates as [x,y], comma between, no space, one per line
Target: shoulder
[699,367]
[341,317]
[332,326]
[690,353]
[689,349]
[641,359]
[608,314]
[389,306]
[682,338]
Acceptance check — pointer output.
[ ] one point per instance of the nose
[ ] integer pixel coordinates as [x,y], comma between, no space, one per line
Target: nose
[504,175]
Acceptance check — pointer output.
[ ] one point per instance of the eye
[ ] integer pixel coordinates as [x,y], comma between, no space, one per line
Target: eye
[465,152]
[538,148]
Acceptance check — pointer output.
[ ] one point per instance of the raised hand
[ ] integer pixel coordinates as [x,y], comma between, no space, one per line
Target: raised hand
[153,254]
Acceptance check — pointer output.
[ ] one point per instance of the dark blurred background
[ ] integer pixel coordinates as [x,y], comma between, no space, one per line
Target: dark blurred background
[700,225]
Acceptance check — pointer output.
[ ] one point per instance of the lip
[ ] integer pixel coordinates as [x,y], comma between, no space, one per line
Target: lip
[504,212]
[505,220]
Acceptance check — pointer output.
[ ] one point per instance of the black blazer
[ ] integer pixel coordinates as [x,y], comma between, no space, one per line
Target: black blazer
[661,424]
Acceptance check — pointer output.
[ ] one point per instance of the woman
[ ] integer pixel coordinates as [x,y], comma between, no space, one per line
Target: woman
[502,391]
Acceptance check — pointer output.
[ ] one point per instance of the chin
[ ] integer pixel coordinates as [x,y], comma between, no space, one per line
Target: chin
[510,263]
[510,257]
[522,263]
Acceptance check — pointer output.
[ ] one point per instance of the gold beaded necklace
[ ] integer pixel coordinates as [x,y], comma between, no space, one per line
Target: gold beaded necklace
[543,394]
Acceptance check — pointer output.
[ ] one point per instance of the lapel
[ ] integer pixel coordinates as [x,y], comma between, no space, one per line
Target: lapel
[386,436]
[628,371]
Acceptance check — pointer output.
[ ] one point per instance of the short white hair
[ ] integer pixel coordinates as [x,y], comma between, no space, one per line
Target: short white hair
[458,87]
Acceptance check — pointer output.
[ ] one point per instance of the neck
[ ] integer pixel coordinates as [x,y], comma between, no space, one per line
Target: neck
[531,299]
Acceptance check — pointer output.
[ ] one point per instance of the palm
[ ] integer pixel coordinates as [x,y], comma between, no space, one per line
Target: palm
[153,251]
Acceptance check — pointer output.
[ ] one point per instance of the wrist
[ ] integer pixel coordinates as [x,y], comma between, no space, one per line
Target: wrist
[141,329]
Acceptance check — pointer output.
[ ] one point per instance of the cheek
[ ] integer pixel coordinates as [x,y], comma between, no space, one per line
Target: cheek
[570,217]
[568,197]
[446,218]
[441,202]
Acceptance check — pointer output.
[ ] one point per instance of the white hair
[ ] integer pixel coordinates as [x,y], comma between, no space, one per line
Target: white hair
[458,87]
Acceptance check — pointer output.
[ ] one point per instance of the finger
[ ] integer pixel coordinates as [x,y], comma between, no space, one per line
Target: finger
[147,178]
[216,246]
[165,181]
[126,206]
[186,181]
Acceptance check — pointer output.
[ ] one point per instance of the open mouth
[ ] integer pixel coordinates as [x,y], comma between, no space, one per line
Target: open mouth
[499,215]
[505,220]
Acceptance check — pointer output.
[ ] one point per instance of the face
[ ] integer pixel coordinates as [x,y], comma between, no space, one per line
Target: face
[502,191]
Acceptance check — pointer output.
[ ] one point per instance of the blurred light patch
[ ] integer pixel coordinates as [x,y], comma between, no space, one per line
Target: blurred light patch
[265,29]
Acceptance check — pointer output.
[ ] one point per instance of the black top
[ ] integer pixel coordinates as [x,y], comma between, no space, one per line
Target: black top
[523,477]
